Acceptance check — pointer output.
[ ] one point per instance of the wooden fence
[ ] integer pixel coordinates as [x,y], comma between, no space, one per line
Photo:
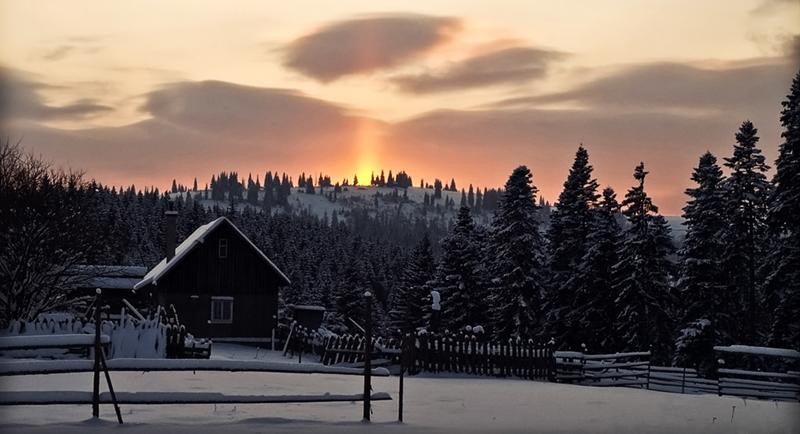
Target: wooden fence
[100,364]
[769,373]
[455,353]
[618,369]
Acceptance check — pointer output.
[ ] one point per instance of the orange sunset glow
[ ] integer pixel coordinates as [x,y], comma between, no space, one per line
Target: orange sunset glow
[147,92]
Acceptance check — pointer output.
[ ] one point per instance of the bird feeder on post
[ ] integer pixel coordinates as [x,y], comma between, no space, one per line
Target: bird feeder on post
[367,354]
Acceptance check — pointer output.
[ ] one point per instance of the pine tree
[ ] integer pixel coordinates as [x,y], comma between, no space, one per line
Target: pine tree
[746,191]
[515,250]
[349,296]
[569,228]
[702,285]
[593,310]
[410,299]
[641,277]
[252,191]
[460,276]
[782,282]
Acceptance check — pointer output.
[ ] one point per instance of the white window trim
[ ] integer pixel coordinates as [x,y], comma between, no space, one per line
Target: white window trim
[219,248]
[220,321]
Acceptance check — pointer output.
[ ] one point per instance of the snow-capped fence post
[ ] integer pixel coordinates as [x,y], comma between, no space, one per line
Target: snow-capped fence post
[367,354]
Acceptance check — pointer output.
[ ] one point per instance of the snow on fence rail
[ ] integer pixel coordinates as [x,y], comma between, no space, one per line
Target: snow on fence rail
[49,341]
[618,369]
[38,367]
[149,398]
[757,383]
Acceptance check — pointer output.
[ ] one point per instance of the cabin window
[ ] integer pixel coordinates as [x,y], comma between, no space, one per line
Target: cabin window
[223,248]
[222,310]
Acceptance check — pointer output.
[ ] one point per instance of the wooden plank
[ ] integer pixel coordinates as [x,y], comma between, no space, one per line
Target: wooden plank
[146,398]
[34,342]
[734,385]
[742,372]
[38,367]
[758,393]
[597,366]
[615,375]
[620,383]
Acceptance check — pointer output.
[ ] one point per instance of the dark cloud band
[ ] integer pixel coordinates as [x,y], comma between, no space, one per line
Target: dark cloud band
[366,44]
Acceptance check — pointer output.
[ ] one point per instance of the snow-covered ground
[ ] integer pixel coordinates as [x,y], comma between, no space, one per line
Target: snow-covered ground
[432,405]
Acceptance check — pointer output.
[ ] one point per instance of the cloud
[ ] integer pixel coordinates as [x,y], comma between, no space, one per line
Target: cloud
[365,45]
[677,87]
[197,128]
[506,66]
[767,7]
[20,99]
[791,48]
[58,53]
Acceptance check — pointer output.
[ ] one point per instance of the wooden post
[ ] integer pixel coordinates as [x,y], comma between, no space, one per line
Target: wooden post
[97,349]
[367,355]
[683,381]
[403,343]
[111,388]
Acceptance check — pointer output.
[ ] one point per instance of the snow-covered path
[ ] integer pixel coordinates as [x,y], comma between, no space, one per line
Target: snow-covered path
[433,405]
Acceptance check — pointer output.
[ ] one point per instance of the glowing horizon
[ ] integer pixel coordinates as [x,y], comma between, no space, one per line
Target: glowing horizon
[131,94]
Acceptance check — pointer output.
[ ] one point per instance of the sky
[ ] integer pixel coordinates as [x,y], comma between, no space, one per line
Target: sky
[142,92]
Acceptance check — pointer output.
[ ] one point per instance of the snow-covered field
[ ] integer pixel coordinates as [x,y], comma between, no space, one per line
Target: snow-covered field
[435,405]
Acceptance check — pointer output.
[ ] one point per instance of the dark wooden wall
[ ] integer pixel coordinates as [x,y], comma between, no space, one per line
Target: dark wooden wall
[243,275]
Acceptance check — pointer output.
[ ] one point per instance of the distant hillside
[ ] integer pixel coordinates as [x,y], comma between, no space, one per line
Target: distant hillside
[327,202]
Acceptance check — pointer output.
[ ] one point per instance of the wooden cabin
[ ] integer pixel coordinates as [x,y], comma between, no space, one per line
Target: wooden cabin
[220,283]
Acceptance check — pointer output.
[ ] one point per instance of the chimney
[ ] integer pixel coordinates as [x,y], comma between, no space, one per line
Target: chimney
[171,217]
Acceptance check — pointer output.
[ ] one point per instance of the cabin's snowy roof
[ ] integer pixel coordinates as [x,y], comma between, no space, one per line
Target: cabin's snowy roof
[196,238]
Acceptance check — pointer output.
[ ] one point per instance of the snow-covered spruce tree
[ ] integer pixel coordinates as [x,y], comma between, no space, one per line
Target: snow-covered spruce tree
[694,347]
[410,300]
[701,285]
[642,276]
[460,276]
[352,285]
[592,312]
[569,228]
[515,254]
[746,191]
[782,282]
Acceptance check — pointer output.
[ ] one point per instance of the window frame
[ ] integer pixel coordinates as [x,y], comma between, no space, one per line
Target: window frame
[222,301]
[222,246]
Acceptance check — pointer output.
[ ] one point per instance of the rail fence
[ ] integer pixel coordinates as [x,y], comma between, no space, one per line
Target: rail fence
[454,353]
